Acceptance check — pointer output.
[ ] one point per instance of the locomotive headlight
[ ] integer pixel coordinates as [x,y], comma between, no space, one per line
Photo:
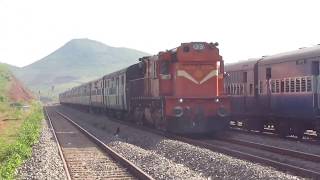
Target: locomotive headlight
[178,111]
[180,100]
[217,100]
[198,46]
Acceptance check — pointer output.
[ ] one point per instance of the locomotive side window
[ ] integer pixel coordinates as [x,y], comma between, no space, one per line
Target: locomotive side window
[164,68]
[268,73]
[186,49]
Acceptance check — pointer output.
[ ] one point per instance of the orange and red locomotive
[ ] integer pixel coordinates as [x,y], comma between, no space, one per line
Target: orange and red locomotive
[179,90]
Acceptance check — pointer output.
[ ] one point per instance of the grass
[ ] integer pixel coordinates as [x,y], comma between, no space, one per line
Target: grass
[19,133]
[14,152]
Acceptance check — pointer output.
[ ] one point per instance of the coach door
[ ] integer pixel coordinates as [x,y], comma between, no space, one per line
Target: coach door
[255,85]
[315,88]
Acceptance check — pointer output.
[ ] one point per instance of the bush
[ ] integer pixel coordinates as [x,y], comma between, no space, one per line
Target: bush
[19,151]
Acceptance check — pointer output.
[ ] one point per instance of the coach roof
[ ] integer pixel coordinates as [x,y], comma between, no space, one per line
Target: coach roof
[302,53]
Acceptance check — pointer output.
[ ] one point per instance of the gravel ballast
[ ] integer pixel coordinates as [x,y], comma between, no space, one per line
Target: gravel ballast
[45,162]
[169,159]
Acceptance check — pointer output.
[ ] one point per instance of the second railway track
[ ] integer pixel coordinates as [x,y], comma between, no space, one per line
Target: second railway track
[85,156]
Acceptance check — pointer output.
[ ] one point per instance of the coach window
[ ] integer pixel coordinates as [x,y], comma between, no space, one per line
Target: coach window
[251,89]
[292,85]
[268,73]
[164,68]
[287,82]
[122,79]
[245,77]
[309,84]
[303,84]
[315,68]
[282,86]
[297,84]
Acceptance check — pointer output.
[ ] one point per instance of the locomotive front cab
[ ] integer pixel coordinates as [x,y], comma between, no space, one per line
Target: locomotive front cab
[191,81]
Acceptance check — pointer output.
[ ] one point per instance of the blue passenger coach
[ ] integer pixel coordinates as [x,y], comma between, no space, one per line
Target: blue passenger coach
[280,90]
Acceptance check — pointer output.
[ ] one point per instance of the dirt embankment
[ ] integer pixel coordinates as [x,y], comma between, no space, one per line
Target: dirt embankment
[19,93]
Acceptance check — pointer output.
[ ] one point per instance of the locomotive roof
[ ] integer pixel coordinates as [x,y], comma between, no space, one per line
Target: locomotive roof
[302,53]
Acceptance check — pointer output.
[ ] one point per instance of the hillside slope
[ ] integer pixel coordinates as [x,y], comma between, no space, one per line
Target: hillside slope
[11,89]
[78,61]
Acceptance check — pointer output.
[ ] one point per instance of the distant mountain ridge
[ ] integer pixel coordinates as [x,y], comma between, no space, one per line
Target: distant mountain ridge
[78,61]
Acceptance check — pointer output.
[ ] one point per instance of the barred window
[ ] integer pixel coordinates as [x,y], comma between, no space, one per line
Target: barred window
[303,84]
[231,89]
[309,84]
[277,86]
[297,84]
[238,89]
[291,85]
[282,86]
[241,89]
[287,87]
[273,88]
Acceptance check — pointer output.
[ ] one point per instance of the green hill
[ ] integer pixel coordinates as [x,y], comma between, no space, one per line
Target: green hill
[78,61]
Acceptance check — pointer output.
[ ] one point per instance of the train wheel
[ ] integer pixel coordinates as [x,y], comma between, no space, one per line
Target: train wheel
[138,116]
[159,121]
[282,129]
[298,131]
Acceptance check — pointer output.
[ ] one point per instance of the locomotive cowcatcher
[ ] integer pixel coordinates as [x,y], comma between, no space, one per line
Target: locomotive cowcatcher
[180,90]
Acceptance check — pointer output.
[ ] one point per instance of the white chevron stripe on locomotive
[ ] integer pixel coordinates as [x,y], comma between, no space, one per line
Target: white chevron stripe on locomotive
[183,73]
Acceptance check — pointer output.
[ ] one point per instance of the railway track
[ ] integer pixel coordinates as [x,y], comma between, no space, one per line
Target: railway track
[311,139]
[86,157]
[274,149]
[249,151]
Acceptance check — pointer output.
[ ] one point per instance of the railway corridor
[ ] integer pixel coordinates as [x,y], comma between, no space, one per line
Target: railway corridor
[85,160]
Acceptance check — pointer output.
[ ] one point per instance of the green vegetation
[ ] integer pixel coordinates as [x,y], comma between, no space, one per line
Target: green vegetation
[78,61]
[4,79]
[13,154]
[19,129]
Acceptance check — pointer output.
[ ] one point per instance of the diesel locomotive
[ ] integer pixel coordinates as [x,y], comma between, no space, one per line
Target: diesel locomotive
[280,91]
[179,90]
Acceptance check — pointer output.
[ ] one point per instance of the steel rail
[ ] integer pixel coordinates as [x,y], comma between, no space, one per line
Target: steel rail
[235,153]
[65,166]
[289,152]
[136,171]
